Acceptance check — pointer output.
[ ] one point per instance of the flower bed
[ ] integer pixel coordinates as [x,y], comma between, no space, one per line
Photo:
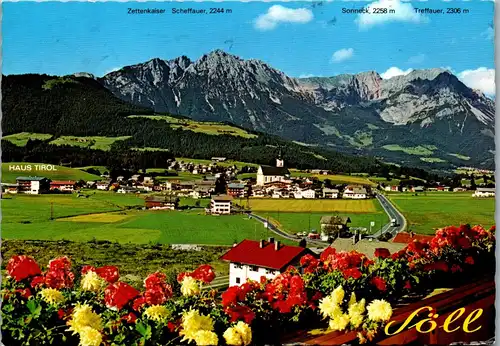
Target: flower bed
[342,291]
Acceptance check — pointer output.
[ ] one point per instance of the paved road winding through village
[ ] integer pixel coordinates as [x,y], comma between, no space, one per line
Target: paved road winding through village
[393,213]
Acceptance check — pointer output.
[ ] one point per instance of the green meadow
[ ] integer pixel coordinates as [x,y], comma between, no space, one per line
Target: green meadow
[427,212]
[12,170]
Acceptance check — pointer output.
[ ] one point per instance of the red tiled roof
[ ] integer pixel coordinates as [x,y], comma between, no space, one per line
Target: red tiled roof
[249,252]
[405,238]
[62,182]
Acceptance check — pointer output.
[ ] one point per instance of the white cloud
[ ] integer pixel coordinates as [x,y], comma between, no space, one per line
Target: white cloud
[482,79]
[393,72]
[342,55]
[403,12]
[308,75]
[416,59]
[277,14]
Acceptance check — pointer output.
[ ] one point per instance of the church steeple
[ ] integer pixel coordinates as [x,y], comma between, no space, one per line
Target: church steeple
[279,161]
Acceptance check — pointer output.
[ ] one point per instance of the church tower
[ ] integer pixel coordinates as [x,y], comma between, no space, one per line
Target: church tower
[279,161]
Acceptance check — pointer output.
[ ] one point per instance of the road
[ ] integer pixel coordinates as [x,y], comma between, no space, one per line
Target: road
[285,235]
[393,213]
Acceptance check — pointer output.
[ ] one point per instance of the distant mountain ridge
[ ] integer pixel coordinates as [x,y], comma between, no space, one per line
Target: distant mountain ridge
[360,113]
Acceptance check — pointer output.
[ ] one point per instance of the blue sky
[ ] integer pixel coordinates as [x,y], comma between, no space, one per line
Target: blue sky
[299,39]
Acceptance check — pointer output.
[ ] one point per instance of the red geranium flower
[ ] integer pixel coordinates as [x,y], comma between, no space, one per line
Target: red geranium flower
[119,294]
[171,327]
[130,318]
[25,293]
[230,296]
[60,314]
[407,285]
[378,282]
[59,278]
[108,273]
[237,313]
[138,303]
[469,260]
[354,273]
[37,281]
[204,273]
[87,268]
[22,267]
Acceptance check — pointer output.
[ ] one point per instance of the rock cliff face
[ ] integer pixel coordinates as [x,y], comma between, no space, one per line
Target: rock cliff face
[389,118]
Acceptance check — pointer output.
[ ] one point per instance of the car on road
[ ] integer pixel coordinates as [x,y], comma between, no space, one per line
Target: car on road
[394,223]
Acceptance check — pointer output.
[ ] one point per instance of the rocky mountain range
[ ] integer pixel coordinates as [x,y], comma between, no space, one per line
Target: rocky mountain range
[427,117]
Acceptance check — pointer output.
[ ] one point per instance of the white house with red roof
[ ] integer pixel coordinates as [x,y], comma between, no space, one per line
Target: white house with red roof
[253,259]
[62,185]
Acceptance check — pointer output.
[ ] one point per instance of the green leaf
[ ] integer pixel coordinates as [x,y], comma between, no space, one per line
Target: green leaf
[144,330]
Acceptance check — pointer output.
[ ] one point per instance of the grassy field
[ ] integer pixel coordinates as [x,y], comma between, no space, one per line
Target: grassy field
[93,142]
[427,212]
[361,213]
[211,128]
[335,178]
[104,216]
[10,172]
[314,205]
[134,261]
[302,222]
[20,139]
[421,150]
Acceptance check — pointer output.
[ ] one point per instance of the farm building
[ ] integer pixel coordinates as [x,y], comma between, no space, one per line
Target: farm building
[252,259]
[218,159]
[236,189]
[103,185]
[127,189]
[333,225]
[308,193]
[484,192]
[33,185]
[221,204]
[269,174]
[9,188]
[355,192]
[391,188]
[63,186]
[161,202]
[330,193]
[417,189]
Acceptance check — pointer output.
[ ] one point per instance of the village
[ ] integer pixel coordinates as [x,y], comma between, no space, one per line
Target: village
[270,182]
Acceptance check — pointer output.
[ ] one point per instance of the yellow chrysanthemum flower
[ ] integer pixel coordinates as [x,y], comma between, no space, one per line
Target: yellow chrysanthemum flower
[356,311]
[92,282]
[192,322]
[379,310]
[190,286]
[206,338]
[90,337]
[338,295]
[245,332]
[157,312]
[339,322]
[83,316]
[52,296]
[240,334]
[352,301]
[329,307]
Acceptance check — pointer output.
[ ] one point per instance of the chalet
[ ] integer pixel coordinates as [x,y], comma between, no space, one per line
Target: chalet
[308,193]
[161,202]
[355,192]
[484,192]
[33,185]
[103,185]
[270,174]
[391,188]
[9,188]
[250,260]
[333,224]
[417,189]
[330,193]
[459,189]
[236,190]
[127,189]
[221,204]
[63,186]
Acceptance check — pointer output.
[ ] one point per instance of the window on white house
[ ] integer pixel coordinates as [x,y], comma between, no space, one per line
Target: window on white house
[238,266]
[237,280]
[254,268]
[269,271]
